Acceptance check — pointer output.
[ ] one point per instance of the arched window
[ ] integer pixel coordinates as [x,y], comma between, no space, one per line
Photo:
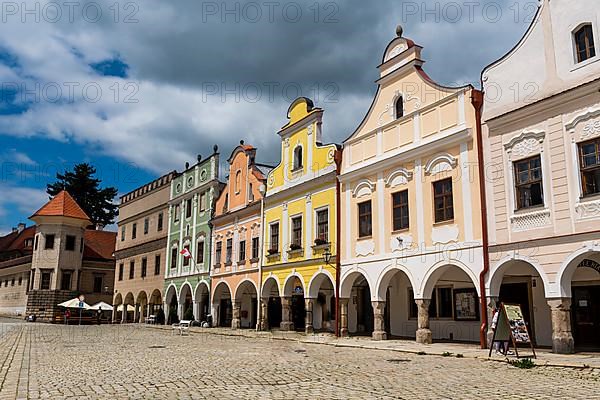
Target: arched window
[399,107]
[297,158]
[584,43]
[238,181]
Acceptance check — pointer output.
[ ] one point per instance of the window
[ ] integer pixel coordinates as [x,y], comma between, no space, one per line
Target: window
[49,243]
[528,182]
[238,181]
[365,227]
[323,225]
[70,243]
[442,200]
[200,252]
[35,242]
[297,232]
[441,303]
[174,257]
[188,208]
[65,280]
[45,281]
[274,238]
[584,43]
[159,225]
[134,231]
[228,251]
[202,205]
[131,269]
[81,244]
[28,242]
[177,211]
[122,233]
[400,210]
[186,260]
[146,225]
[20,280]
[297,158]
[589,153]
[218,251]
[157,264]
[399,107]
[242,252]
[98,284]
[255,247]
[121,268]
[250,192]
[226,203]
[144,267]
[12,282]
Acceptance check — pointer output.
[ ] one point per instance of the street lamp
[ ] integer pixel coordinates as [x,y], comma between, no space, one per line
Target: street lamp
[327,256]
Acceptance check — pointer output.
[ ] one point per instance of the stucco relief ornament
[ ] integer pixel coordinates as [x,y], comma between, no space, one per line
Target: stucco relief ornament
[330,156]
[284,206]
[386,110]
[271,181]
[309,129]
[525,147]
[286,142]
[590,129]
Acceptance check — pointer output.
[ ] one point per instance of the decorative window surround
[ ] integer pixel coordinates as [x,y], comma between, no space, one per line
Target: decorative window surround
[530,220]
[363,188]
[399,177]
[440,163]
[444,234]
[588,209]
[365,248]
[527,144]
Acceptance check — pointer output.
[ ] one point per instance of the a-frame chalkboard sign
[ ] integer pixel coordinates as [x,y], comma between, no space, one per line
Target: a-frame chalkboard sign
[511,326]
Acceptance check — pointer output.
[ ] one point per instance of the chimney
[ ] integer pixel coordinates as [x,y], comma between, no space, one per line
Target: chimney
[20,227]
[13,230]
[99,227]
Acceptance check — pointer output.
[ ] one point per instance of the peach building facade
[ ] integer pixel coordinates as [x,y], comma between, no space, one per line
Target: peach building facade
[541,129]
[410,198]
[237,242]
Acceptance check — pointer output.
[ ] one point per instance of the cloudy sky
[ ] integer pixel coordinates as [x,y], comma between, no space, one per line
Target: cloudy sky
[139,88]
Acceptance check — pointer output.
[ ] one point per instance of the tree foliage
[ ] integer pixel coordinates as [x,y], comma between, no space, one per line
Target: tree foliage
[84,187]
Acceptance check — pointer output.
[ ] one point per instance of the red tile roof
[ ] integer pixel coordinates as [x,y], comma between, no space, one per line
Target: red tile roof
[99,244]
[62,205]
[19,242]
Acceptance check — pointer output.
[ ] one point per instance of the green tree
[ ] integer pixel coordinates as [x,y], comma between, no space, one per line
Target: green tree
[84,187]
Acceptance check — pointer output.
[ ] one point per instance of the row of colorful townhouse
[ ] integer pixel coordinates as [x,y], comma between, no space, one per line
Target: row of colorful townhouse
[438,205]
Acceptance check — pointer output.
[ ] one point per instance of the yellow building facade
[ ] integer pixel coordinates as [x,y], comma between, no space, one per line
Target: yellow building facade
[298,277]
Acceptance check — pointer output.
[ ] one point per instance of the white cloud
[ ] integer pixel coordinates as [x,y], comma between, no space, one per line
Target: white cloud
[24,200]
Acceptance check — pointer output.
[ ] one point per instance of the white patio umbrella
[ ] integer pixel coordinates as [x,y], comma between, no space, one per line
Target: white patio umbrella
[74,303]
[101,305]
[130,308]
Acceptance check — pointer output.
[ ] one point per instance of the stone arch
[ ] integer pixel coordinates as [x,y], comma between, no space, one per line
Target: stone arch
[244,282]
[172,304]
[317,280]
[386,276]
[268,283]
[129,299]
[186,299]
[141,305]
[156,297]
[245,311]
[202,300]
[222,304]
[287,289]
[219,288]
[569,266]
[271,302]
[348,279]
[435,273]
[495,277]
[118,299]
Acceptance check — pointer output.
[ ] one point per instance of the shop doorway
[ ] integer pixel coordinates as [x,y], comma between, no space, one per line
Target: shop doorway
[586,317]
[518,293]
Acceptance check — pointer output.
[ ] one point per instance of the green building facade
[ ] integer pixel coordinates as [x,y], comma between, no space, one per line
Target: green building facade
[191,205]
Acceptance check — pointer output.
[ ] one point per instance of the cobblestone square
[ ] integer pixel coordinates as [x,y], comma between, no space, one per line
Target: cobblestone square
[132,361]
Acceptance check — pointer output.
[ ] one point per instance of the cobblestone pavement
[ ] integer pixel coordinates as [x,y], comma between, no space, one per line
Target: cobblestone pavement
[118,362]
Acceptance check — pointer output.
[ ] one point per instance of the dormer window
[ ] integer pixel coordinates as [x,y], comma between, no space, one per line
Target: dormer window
[399,107]
[297,158]
[238,181]
[584,43]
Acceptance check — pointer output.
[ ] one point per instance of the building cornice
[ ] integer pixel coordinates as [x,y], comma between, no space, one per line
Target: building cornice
[154,245]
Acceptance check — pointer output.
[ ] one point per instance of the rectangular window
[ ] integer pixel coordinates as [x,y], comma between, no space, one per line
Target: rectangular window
[228,251]
[274,238]
[255,247]
[20,280]
[218,250]
[177,211]
[528,182]
[297,231]
[65,280]
[131,269]
[443,202]
[122,233]
[134,231]
[589,165]
[365,227]
[400,210]
[188,208]
[157,264]
[584,42]
[146,226]
[186,260]
[413,311]
[98,284]
[242,253]
[70,243]
[444,296]
[35,242]
[174,257]
[144,267]
[323,225]
[159,225]
[202,202]
[49,243]
[12,282]
[200,252]
[121,268]
[81,244]
[45,281]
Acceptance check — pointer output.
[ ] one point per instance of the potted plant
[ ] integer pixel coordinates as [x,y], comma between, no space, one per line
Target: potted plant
[295,246]
[272,251]
[320,241]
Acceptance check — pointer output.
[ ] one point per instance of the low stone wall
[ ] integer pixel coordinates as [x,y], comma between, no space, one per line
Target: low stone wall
[44,303]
